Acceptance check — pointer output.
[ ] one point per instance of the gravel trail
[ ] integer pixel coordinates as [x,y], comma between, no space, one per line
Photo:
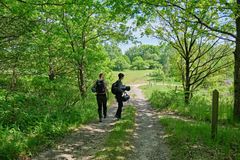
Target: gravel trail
[148,140]
[83,143]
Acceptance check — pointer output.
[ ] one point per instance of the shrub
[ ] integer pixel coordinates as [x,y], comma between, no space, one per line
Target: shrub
[199,108]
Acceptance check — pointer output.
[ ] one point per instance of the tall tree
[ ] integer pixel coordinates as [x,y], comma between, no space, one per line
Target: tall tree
[199,53]
[86,26]
[221,19]
[17,28]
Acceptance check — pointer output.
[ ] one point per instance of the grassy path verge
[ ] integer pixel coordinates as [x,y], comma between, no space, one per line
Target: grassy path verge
[192,140]
[188,128]
[117,142]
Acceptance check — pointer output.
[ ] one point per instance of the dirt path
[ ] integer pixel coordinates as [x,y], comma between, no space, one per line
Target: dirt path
[83,143]
[148,140]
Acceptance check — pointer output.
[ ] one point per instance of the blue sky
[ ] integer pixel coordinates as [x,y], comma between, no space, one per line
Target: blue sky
[143,40]
[137,33]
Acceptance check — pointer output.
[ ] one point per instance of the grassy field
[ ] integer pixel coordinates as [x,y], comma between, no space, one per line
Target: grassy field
[160,86]
[133,76]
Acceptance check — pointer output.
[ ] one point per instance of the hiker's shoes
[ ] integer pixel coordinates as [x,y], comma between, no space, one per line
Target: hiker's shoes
[100,120]
[117,118]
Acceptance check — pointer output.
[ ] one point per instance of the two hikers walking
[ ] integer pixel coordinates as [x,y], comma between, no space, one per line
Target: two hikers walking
[118,89]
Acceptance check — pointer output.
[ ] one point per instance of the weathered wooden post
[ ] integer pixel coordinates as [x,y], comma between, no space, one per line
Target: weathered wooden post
[215,102]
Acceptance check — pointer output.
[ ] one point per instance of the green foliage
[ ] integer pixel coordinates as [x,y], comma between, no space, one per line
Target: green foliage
[201,54]
[198,109]
[153,64]
[112,50]
[117,142]
[120,64]
[60,39]
[157,75]
[192,140]
[163,100]
[29,129]
[39,113]
[149,57]
[139,64]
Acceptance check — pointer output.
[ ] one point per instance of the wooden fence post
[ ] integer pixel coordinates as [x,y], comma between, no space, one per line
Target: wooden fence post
[215,102]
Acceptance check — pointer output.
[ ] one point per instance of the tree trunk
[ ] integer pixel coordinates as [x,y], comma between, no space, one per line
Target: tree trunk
[14,79]
[81,80]
[187,82]
[51,72]
[81,68]
[236,111]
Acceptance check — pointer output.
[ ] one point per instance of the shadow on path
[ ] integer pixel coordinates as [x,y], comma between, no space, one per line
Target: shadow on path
[149,137]
[84,143]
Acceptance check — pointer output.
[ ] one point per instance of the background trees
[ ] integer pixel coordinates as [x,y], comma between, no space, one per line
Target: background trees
[149,56]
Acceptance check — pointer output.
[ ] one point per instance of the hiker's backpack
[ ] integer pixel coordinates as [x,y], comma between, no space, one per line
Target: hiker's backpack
[100,87]
[114,88]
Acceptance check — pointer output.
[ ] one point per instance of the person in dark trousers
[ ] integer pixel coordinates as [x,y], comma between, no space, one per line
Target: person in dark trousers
[101,94]
[119,95]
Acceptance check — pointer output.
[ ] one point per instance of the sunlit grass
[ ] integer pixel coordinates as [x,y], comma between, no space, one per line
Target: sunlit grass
[41,129]
[170,97]
[117,142]
[160,86]
[192,140]
[134,76]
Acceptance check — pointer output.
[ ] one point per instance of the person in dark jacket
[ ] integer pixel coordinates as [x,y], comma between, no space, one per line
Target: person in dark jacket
[119,95]
[101,94]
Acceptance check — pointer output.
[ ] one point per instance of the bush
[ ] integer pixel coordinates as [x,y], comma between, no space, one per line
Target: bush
[199,107]
[162,100]
[157,75]
[39,115]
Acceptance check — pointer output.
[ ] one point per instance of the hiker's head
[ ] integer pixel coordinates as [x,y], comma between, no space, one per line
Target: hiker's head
[101,76]
[120,76]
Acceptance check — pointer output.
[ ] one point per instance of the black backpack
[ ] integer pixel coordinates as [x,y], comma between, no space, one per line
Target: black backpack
[114,88]
[100,86]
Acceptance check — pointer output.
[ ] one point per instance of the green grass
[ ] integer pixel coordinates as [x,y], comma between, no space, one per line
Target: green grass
[160,86]
[117,142]
[34,118]
[40,128]
[166,97]
[39,113]
[199,108]
[191,140]
[134,76]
